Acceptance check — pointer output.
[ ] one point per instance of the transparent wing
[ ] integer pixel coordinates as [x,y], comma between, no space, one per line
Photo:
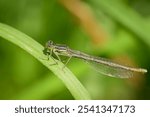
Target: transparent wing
[115,70]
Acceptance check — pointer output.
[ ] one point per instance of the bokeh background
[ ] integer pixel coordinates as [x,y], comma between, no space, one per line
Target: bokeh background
[115,29]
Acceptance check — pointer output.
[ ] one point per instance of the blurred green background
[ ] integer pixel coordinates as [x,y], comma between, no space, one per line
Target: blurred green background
[116,29]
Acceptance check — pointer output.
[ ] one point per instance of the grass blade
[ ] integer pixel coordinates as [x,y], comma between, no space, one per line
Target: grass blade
[35,49]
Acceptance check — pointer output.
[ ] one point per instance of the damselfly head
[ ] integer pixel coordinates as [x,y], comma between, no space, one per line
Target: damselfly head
[49,44]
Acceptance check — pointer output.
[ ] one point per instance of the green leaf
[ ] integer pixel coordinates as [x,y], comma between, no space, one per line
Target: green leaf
[35,49]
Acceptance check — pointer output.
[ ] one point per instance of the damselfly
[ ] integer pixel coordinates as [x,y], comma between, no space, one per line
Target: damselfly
[102,65]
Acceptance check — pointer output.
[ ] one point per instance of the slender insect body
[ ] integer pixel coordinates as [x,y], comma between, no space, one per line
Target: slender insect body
[104,66]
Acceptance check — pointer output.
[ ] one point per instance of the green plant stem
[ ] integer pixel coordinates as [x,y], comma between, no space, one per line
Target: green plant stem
[35,49]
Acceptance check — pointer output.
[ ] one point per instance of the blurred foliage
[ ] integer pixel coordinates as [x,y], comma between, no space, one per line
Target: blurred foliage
[116,29]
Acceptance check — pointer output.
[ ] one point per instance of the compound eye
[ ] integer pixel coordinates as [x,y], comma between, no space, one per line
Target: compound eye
[50,42]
